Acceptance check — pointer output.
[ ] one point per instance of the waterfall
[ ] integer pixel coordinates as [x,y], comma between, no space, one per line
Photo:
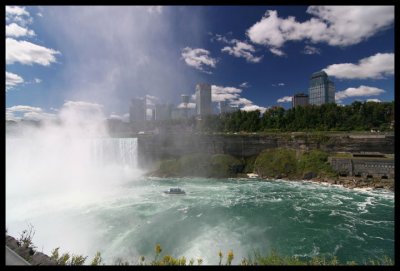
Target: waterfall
[119,151]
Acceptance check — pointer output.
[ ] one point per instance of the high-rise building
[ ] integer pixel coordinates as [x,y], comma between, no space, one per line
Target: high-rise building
[163,111]
[137,110]
[299,99]
[185,98]
[153,114]
[203,100]
[183,107]
[322,90]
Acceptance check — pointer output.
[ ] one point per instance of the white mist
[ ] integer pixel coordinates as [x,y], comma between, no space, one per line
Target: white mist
[60,167]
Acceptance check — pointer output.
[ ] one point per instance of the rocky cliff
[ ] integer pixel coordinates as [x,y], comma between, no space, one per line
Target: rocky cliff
[156,147]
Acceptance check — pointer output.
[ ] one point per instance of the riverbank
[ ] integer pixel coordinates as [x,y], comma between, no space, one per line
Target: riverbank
[352,183]
[349,183]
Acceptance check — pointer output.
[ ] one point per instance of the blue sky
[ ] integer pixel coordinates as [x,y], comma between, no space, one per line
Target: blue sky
[254,57]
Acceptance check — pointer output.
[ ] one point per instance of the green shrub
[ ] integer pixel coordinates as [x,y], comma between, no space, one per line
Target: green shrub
[276,162]
[315,161]
[169,168]
[249,164]
[222,165]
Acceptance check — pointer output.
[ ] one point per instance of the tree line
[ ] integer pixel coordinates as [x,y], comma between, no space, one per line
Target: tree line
[359,116]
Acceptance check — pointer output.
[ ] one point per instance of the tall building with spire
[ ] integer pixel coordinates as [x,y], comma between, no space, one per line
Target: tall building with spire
[322,90]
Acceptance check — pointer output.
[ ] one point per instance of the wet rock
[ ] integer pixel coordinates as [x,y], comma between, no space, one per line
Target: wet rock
[11,242]
[331,181]
[42,259]
[309,175]
[24,252]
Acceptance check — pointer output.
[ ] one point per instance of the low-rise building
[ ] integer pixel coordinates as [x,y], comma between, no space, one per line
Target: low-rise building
[364,165]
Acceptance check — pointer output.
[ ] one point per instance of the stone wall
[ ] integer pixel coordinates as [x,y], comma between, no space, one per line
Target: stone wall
[374,167]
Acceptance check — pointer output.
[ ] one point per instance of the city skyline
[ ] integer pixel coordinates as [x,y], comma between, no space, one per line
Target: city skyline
[255,57]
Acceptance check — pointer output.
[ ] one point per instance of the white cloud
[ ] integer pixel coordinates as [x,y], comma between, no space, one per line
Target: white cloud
[115,117]
[277,52]
[334,25]
[232,96]
[14,30]
[311,50]
[15,10]
[244,85]
[37,80]
[39,14]
[285,99]
[358,92]
[27,112]
[242,49]
[376,66]
[188,105]
[83,105]
[123,118]
[278,85]
[39,116]
[221,38]
[72,112]
[11,116]
[28,53]
[374,100]
[281,84]
[155,9]
[12,80]
[348,25]
[198,58]
[242,101]
[253,108]
[24,108]
[151,100]
[220,93]
[18,15]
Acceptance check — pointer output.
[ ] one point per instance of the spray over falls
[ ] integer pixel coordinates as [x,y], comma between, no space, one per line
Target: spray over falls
[62,165]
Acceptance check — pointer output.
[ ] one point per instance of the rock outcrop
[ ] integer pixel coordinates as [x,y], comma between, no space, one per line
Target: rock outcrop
[33,257]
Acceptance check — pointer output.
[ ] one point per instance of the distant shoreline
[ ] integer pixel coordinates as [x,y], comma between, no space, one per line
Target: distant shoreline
[349,183]
[387,185]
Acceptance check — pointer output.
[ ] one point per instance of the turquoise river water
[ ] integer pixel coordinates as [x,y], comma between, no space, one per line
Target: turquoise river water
[84,207]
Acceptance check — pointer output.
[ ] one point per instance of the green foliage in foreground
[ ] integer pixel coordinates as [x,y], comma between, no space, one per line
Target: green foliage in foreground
[271,259]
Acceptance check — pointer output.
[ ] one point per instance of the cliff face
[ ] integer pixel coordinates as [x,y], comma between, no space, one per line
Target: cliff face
[155,147]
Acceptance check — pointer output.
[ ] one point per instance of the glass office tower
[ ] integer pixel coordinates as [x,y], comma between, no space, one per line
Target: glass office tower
[322,90]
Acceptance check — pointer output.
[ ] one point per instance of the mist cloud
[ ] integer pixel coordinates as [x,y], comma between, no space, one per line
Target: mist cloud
[118,53]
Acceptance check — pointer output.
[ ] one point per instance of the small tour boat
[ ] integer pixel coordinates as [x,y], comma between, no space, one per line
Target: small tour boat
[174,191]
